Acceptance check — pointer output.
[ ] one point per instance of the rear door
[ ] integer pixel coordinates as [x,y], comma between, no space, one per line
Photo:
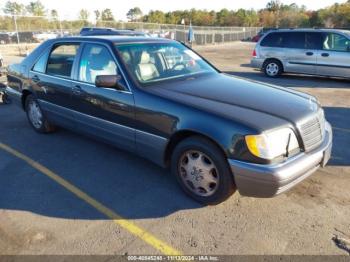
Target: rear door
[300,58]
[104,112]
[334,56]
[51,78]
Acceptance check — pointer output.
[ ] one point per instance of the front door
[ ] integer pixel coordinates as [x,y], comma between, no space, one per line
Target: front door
[334,58]
[104,112]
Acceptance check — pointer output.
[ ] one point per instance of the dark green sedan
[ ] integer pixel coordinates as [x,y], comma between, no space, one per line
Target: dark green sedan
[161,100]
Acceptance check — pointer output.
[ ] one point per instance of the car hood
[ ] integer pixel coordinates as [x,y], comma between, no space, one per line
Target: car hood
[259,105]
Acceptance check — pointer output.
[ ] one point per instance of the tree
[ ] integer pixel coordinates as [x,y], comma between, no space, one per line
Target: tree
[13,8]
[107,15]
[155,17]
[275,7]
[97,15]
[134,14]
[36,8]
[221,16]
[84,15]
[54,13]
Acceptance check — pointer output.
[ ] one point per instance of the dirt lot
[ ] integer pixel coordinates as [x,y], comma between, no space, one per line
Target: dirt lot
[38,216]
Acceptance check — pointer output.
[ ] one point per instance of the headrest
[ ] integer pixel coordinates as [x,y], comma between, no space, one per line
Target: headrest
[126,57]
[145,58]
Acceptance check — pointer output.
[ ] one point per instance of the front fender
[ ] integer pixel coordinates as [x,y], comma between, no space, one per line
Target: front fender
[227,134]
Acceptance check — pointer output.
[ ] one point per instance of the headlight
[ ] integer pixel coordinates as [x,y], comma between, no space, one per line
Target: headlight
[272,144]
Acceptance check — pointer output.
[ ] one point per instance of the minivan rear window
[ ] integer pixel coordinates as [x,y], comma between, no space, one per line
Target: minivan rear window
[285,39]
[273,40]
[295,40]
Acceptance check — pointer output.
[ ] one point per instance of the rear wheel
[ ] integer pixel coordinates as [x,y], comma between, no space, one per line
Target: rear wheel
[202,170]
[273,68]
[36,117]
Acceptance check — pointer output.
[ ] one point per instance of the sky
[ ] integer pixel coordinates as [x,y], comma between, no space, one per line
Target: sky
[70,8]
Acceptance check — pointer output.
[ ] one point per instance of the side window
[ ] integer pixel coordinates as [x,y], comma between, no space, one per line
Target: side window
[295,40]
[335,42]
[96,60]
[314,40]
[61,60]
[40,65]
[273,40]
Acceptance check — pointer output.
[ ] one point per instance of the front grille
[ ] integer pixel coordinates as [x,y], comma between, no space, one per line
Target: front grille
[312,131]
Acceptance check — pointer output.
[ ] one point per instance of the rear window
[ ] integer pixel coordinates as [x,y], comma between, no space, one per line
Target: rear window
[40,65]
[295,40]
[61,60]
[273,40]
[285,39]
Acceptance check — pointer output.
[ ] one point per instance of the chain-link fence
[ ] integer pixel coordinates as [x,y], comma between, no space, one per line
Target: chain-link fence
[34,29]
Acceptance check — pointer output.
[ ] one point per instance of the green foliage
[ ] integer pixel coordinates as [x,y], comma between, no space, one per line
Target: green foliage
[107,15]
[275,14]
[155,17]
[54,13]
[14,8]
[97,15]
[84,15]
[134,14]
[36,8]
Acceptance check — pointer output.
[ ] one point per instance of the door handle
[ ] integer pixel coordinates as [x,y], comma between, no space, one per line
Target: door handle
[309,53]
[325,54]
[35,79]
[76,89]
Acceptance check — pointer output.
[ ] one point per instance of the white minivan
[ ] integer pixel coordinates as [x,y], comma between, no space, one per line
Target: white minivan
[323,52]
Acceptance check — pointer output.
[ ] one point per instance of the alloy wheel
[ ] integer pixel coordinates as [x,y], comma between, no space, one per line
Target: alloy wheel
[198,173]
[35,115]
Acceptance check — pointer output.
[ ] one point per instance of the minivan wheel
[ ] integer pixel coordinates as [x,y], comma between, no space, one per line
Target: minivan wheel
[36,117]
[202,170]
[273,68]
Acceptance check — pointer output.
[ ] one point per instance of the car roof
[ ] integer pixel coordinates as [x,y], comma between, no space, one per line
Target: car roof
[331,30]
[116,39]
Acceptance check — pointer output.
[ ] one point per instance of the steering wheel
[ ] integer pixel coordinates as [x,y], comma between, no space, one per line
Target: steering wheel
[178,64]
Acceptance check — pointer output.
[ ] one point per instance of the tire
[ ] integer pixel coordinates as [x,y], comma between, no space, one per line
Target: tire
[205,175]
[36,117]
[273,68]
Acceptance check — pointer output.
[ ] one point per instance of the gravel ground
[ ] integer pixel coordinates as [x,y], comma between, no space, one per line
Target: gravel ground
[37,216]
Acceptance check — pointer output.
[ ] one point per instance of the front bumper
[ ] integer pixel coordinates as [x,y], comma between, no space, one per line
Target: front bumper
[258,180]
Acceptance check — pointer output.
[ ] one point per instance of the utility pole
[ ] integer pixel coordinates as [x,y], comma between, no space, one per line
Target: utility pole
[59,20]
[15,20]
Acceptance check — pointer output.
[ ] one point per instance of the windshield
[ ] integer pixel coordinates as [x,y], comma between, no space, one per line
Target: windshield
[154,62]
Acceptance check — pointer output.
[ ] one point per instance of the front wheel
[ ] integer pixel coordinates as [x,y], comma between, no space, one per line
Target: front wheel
[272,68]
[202,170]
[36,117]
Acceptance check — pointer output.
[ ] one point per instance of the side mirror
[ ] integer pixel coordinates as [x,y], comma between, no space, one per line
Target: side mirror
[108,81]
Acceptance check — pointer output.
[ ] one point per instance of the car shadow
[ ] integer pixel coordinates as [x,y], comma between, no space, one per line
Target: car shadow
[290,80]
[132,187]
[339,119]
